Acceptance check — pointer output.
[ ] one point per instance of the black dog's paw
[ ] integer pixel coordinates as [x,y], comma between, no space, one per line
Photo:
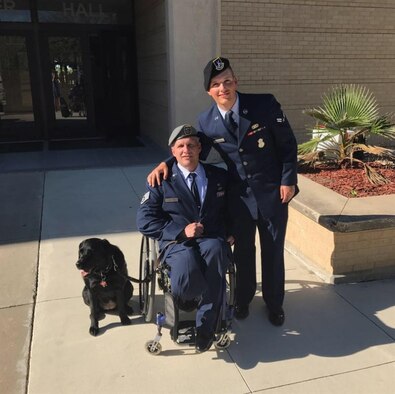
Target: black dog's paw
[93,330]
[101,316]
[129,310]
[125,321]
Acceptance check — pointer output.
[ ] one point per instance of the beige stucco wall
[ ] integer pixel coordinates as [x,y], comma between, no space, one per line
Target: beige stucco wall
[298,49]
[151,45]
[175,39]
[193,39]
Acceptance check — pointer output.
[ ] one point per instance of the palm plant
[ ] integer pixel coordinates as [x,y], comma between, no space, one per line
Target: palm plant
[348,117]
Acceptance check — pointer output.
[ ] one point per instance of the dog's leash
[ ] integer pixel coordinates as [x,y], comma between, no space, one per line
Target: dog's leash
[147,279]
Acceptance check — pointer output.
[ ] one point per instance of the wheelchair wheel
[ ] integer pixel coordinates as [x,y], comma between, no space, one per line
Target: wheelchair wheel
[230,285]
[148,255]
[153,347]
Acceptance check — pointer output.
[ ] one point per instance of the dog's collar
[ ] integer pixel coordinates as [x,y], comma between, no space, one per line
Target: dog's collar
[109,267]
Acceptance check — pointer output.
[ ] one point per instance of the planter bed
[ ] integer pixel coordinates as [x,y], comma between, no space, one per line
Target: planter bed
[342,239]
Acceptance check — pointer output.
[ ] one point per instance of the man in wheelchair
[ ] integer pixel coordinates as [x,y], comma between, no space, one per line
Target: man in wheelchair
[189,217]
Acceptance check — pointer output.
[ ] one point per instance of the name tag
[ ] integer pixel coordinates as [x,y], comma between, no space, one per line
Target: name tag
[219,140]
[171,199]
[220,194]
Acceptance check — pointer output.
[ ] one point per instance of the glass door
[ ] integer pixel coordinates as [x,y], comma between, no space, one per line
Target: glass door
[114,84]
[17,119]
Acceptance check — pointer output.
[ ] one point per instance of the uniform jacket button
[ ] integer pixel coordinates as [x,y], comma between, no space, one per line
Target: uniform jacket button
[241,150]
[245,163]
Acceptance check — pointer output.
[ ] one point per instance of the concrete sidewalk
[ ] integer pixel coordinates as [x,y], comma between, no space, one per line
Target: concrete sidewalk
[336,339]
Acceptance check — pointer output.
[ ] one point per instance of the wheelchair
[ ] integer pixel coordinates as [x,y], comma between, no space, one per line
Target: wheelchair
[154,272]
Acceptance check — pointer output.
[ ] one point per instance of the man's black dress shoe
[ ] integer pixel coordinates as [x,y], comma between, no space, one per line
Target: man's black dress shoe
[276,317]
[204,340]
[241,312]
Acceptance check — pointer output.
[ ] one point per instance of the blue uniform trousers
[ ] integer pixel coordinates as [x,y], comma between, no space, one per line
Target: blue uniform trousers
[272,238]
[198,267]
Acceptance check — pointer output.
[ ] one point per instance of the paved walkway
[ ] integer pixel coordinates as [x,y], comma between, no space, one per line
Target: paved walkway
[336,339]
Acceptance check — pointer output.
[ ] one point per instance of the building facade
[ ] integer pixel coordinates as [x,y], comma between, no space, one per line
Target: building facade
[122,70]
[296,49]
[68,73]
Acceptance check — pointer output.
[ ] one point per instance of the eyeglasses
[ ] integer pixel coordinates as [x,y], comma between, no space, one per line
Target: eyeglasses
[228,83]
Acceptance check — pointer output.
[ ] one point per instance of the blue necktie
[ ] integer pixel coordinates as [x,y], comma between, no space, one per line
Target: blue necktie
[194,189]
[230,123]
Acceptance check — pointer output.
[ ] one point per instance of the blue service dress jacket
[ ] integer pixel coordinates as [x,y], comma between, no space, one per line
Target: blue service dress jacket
[167,209]
[261,158]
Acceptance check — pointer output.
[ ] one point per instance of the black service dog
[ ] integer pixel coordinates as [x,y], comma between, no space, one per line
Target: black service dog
[107,285]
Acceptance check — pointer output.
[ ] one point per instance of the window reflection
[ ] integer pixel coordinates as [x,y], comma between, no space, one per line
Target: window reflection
[68,83]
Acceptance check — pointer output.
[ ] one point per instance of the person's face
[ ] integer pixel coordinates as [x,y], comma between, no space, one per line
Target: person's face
[223,89]
[186,151]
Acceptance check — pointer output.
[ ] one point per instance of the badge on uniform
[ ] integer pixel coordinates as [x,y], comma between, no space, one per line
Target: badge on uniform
[218,64]
[145,198]
[254,129]
[261,143]
[221,194]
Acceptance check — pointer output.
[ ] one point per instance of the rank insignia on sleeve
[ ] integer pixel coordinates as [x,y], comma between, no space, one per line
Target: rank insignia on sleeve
[145,198]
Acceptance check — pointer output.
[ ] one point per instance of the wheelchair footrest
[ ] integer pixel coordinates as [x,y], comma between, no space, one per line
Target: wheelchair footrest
[185,333]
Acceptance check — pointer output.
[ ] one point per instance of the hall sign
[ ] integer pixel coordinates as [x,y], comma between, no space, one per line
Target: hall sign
[85,11]
[77,10]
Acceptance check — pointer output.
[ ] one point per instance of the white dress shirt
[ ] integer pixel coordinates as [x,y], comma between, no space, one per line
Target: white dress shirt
[201,179]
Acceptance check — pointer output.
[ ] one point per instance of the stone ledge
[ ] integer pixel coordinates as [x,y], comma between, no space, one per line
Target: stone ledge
[342,214]
[342,239]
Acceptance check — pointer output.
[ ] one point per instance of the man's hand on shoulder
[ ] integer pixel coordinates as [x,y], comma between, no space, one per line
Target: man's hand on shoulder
[155,176]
